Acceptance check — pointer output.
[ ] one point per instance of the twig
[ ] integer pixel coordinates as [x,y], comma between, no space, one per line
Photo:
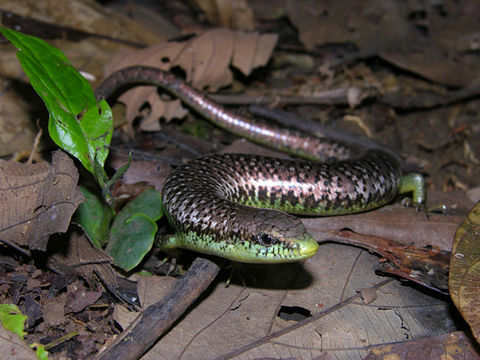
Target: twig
[338,96]
[18,248]
[421,101]
[157,318]
[35,143]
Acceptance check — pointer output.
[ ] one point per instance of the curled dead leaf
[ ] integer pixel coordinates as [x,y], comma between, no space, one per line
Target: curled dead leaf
[204,58]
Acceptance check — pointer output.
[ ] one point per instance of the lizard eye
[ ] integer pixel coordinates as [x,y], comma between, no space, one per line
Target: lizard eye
[266,239]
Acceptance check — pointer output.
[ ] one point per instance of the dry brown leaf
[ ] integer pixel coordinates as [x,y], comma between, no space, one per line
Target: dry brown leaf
[170,110]
[78,297]
[443,56]
[204,58]
[464,279]
[367,24]
[251,51]
[37,200]
[469,296]
[152,289]
[14,348]
[53,310]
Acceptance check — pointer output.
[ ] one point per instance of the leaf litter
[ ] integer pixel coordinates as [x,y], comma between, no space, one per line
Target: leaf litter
[406,313]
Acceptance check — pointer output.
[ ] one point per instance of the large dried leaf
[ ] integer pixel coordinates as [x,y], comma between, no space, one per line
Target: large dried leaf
[204,58]
[53,310]
[83,15]
[464,281]
[37,200]
[321,22]
[79,297]
[292,310]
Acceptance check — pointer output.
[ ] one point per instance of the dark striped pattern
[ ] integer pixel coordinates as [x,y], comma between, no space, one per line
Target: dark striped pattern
[209,200]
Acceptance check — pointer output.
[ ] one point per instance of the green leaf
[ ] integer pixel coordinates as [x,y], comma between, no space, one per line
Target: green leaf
[77,123]
[106,184]
[12,319]
[133,241]
[120,172]
[40,351]
[94,216]
[133,229]
[149,202]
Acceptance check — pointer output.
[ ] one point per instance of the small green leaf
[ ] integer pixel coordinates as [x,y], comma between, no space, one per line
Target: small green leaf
[107,184]
[132,241]
[149,202]
[12,319]
[144,273]
[133,229]
[40,351]
[77,123]
[120,172]
[94,216]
